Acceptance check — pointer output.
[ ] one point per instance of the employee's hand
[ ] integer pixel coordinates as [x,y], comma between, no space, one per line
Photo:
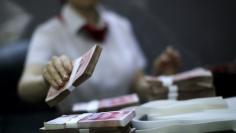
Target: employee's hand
[149,90]
[57,71]
[168,62]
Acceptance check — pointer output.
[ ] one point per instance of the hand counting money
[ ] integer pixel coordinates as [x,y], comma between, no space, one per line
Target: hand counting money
[83,68]
[107,104]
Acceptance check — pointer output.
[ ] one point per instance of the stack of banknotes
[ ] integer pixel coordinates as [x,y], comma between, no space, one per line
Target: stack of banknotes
[83,68]
[109,104]
[103,122]
[196,83]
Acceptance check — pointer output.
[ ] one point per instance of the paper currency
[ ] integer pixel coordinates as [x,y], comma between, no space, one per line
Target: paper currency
[198,74]
[110,119]
[59,123]
[107,119]
[107,104]
[196,83]
[127,129]
[83,68]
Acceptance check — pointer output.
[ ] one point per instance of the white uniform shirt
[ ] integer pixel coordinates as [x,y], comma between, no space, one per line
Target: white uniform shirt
[120,59]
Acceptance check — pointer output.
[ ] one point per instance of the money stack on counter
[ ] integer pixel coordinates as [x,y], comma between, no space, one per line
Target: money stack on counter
[103,122]
[109,104]
[196,83]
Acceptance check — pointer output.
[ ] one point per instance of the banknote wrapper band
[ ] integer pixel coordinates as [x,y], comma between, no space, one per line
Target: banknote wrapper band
[93,106]
[172,89]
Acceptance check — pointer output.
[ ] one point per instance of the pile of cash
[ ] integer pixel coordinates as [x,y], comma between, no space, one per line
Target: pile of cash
[109,122]
[196,83]
[109,104]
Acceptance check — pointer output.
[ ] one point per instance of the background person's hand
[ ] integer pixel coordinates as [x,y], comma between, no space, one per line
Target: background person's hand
[168,62]
[149,90]
[57,71]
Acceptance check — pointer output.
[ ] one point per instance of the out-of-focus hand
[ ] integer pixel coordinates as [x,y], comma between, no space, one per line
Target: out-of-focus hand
[156,89]
[168,62]
[57,71]
[149,90]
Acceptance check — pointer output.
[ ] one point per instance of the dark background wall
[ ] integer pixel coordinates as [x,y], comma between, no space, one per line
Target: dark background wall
[202,30]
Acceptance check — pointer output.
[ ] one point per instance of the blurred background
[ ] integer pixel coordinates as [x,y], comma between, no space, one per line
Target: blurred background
[203,32]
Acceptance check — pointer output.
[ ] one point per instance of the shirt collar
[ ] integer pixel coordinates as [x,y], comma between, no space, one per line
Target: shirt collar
[75,21]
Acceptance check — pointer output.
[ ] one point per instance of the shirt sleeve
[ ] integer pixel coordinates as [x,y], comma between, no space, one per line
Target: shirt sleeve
[139,58]
[40,49]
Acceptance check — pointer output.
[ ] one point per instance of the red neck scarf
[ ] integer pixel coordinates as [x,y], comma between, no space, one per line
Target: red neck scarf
[97,34]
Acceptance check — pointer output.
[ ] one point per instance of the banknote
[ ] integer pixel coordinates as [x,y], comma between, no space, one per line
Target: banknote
[108,104]
[195,83]
[83,68]
[112,119]
[107,119]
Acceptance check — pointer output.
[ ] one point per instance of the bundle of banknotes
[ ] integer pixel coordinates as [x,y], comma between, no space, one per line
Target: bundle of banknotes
[196,83]
[109,104]
[103,122]
[83,68]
